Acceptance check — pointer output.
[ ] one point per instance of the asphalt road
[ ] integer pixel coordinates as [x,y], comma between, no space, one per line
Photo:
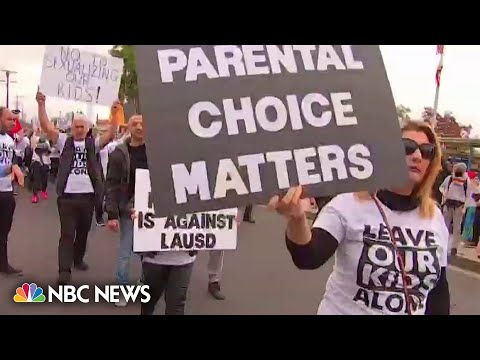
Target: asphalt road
[259,277]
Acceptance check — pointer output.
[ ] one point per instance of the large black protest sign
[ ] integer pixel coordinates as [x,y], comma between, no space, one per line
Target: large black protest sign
[228,125]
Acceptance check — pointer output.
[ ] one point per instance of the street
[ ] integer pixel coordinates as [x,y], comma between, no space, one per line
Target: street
[259,278]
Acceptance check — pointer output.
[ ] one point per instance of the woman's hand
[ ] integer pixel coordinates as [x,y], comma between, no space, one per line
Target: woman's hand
[292,206]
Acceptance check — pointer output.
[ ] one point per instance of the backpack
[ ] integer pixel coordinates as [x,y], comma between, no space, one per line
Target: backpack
[465,186]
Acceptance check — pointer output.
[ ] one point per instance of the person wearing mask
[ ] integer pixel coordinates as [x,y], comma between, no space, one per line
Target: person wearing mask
[9,171]
[390,247]
[40,166]
[168,272]
[78,182]
[454,190]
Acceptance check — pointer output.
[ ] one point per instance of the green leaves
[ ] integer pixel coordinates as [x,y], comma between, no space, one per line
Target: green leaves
[128,85]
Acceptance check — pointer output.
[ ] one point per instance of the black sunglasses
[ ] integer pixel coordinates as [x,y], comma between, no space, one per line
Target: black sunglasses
[427,150]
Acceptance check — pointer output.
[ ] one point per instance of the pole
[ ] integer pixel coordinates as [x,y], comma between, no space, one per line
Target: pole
[8,82]
[8,88]
[437,92]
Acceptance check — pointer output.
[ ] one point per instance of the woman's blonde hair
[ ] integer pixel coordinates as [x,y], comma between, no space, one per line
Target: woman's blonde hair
[425,189]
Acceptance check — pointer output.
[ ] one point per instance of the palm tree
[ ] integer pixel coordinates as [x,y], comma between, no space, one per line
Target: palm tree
[128,85]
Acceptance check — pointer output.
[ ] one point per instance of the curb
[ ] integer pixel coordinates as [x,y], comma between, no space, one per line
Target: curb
[465,264]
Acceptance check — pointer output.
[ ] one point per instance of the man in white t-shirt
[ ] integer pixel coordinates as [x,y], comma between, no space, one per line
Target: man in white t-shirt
[8,170]
[79,181]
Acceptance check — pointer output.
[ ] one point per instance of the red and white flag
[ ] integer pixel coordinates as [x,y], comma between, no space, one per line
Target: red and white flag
[438,76]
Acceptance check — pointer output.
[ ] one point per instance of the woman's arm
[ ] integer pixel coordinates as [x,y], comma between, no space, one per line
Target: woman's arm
[314,254]
[309,247]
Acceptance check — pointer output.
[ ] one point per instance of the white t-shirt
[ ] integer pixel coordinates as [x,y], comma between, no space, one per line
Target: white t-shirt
[7,148]
[456,191]
[78,181]
[35,157]
[175,258]
[20,147]
[366,279]
[105,153]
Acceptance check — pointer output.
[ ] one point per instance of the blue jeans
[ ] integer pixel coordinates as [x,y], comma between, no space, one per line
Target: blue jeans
[125,250]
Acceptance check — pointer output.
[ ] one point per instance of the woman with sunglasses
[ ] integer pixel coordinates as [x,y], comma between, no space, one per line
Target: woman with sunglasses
[390,248]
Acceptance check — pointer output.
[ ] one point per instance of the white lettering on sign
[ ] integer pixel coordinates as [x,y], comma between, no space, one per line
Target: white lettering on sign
[248,60]
[206,231]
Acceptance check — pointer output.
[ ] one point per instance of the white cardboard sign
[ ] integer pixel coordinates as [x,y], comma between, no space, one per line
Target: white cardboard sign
[72,74]
[216,230]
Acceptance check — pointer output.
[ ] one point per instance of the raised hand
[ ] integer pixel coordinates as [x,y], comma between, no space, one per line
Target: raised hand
[292,205]
[40,97]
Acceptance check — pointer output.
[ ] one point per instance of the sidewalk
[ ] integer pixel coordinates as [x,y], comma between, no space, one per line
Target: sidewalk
[466,259]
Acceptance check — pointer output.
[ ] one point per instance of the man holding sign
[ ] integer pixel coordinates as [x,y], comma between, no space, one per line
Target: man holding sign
[167,273]
[79,181]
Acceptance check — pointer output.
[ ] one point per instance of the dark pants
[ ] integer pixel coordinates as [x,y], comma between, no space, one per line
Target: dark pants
[476,226]
[168,279]
[39,177]
[54,167]
[99,200]
[75,211]
[7,209]
[247,215]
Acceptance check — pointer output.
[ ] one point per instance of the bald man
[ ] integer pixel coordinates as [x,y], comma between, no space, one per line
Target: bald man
[123,162]
[79,182]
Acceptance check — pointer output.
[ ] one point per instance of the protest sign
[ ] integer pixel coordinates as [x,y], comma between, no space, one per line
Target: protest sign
[72,74]
[230,125]
[194,232]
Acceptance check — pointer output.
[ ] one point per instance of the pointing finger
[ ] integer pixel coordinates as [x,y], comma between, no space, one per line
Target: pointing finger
[272,204]
[288,198]
[298,194]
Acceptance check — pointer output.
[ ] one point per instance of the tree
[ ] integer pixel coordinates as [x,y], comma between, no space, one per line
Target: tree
[128,85]
[402,113]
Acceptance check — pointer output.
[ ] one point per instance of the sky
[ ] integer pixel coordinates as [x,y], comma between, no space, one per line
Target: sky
[411,71]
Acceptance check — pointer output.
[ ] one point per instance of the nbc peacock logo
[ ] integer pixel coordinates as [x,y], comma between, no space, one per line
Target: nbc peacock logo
[29,293]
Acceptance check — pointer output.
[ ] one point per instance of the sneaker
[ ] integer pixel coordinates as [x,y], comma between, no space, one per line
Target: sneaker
[44,195]
[121,303]
[140,282]
[64,278]
[100,222]
[215,291]
[34,199]
[81,266]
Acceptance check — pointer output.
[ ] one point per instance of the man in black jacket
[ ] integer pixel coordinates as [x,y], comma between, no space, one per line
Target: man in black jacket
[123,162]
[79,181]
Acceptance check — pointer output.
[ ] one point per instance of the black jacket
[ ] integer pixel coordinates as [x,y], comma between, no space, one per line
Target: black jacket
[437,195]
[117,201]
